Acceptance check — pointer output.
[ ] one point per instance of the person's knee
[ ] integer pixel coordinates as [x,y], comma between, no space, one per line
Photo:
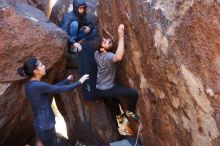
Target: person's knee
[74,25]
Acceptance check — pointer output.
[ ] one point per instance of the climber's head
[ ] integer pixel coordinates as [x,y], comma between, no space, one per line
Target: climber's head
[107,43]
[32,67]
[103,44]
[79,7]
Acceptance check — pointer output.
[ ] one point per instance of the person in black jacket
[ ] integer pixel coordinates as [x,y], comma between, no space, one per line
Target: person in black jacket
[77,26]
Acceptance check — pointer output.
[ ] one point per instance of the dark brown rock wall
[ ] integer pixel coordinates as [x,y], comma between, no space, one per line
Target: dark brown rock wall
[171,57]
[15,114]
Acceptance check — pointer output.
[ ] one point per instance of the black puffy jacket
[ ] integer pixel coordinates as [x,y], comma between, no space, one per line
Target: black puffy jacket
[75,16]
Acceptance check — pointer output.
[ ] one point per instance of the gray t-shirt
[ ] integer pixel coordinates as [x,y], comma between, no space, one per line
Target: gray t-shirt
[106,70]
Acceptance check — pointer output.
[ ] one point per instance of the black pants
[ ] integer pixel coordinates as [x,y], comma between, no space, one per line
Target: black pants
[48,137]
[117,92]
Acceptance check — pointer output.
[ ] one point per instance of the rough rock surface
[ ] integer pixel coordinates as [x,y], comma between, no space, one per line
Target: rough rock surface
[58,10]
[25,31]
[171,57]
[15,115]
[43,5]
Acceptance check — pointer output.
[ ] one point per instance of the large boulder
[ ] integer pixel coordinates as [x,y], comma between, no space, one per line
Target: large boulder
[43,5]
[171,57]
[25,31]
[15,114]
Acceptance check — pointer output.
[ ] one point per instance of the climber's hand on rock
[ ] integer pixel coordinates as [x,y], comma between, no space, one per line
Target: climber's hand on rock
[121,30]
[70,77]
[83,78]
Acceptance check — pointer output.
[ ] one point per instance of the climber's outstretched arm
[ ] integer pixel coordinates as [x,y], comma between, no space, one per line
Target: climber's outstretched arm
[120,50]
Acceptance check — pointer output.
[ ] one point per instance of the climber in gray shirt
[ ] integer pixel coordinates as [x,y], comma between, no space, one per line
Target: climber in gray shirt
[37,94]
[106,70]
[106,64]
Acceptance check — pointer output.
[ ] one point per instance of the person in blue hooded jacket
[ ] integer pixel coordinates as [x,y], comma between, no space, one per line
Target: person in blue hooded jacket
[77,26]
[37,93]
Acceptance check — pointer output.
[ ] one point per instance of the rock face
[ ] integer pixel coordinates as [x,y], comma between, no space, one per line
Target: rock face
[15,114]
[61,7]
[25,31]
[171,57]
[43,5]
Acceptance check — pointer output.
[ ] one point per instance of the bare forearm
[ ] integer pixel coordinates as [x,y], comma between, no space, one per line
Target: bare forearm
[120,50]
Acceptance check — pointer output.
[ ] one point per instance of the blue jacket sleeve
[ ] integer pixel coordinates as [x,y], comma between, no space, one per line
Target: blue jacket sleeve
[65,25]
[66,81]
[48,88]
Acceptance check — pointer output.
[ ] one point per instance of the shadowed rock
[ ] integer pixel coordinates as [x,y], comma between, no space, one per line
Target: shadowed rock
[171,57]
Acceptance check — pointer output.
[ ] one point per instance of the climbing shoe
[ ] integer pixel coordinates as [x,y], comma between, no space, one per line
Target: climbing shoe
[120,118]
[132,115]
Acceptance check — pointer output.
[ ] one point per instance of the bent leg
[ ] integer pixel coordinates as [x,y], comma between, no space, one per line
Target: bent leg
[130,94]
[112,102]
[74,31]
[87,37]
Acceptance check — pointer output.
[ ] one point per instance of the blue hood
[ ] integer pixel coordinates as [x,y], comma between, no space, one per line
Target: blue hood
[77,3]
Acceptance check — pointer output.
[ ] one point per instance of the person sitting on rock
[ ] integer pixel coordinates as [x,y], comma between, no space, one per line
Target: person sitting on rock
[106,64]
[77,26]
[37,93]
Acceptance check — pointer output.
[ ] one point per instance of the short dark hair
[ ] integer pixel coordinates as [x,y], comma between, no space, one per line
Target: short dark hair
[97,43]
[28,67]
